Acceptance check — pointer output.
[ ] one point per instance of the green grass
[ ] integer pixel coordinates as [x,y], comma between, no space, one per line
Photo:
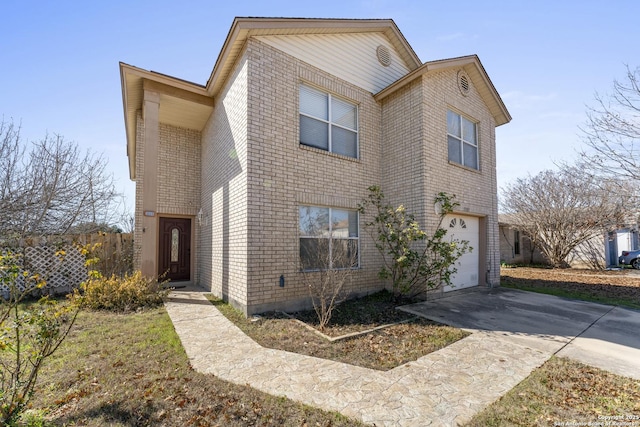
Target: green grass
[573,294]
[131,370]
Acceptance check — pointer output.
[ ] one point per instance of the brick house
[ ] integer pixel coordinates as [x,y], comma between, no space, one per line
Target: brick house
[515,245]
[298,118]
[597,253]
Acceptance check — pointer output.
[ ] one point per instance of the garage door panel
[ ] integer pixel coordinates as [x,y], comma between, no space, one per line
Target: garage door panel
[462,227]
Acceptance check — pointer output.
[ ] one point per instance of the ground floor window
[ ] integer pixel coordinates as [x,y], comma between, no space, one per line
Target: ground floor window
[328,238]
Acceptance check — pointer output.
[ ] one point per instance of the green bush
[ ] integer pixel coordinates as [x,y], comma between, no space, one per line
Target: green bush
[122,294]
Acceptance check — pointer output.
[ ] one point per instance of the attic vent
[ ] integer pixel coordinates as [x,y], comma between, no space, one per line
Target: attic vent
[384,56]
[464,84]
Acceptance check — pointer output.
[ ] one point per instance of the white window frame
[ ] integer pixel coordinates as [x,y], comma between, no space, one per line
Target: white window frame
[464,141]
[330,123]
[330,237]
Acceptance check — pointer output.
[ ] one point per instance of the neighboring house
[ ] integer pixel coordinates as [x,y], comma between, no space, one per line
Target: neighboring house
[298,118]
[599,252]
[623,239]
[515,245]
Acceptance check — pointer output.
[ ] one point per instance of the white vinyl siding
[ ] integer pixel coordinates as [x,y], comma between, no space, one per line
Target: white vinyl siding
[351,57]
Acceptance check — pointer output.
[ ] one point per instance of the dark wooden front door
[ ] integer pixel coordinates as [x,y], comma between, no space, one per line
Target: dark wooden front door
[174,255]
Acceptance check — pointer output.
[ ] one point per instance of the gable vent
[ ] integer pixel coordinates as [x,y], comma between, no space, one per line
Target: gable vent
[384,56]
[464,84]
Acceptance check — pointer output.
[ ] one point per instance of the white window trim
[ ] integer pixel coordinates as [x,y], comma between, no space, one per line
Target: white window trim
[330,236]
[330,123]
[463,141]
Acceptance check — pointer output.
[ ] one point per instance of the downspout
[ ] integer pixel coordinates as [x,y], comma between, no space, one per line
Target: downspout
[494,196]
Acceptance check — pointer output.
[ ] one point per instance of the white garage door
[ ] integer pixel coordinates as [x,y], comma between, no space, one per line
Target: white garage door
[461,227]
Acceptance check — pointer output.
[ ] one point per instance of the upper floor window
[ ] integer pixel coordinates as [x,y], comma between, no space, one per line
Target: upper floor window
[328,123]
[462,139]
[328,238]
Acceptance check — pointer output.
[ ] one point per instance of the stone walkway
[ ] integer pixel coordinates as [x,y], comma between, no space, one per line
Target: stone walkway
[443,388]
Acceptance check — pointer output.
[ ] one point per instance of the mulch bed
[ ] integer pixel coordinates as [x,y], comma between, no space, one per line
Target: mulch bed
[357,315]
[382,349]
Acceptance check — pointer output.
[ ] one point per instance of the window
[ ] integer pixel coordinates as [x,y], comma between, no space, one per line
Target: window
[175,242]
[328,238]
[516,242]
[462,139]
[328,123]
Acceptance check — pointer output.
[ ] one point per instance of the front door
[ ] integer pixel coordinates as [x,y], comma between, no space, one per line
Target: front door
[174,254]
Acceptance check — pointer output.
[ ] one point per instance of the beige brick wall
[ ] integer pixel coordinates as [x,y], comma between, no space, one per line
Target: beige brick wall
[178,177]
[222,250]
[256,175]
[416,166]
[283,175]
[137,231]
[475,190]
[405,168]
[178,171]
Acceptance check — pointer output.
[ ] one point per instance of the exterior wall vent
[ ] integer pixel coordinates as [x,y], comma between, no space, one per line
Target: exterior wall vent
[464,83]
[384,56]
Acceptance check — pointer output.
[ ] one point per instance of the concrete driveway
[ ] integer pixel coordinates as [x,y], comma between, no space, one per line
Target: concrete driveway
[600,335]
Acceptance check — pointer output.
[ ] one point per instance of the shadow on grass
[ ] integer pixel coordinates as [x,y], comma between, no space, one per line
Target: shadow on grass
[119,413]
[624,296]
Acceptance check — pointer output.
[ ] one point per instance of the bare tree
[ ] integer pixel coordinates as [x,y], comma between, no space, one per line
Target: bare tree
[327,260]
[612,131]
[49,186]
[560,210]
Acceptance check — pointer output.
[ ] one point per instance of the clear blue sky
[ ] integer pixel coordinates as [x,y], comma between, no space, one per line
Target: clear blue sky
[59,60]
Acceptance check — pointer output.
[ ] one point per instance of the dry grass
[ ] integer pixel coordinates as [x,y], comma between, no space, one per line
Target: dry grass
[564,392]
[131,370]
[607,287]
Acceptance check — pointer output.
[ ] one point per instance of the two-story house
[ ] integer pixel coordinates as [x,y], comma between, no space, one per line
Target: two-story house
[297,119]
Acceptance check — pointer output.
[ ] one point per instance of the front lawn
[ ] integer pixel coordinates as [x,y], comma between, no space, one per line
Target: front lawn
[131,370]
[565,392]
[620,287]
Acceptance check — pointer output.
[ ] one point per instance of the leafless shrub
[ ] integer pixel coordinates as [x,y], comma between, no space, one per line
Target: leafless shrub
[560,210]
[50,186]
[327,263]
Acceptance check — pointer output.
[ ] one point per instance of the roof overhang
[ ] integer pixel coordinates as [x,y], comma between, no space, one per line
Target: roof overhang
[189,105]
[479,77]
[182,103]
[243,28]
